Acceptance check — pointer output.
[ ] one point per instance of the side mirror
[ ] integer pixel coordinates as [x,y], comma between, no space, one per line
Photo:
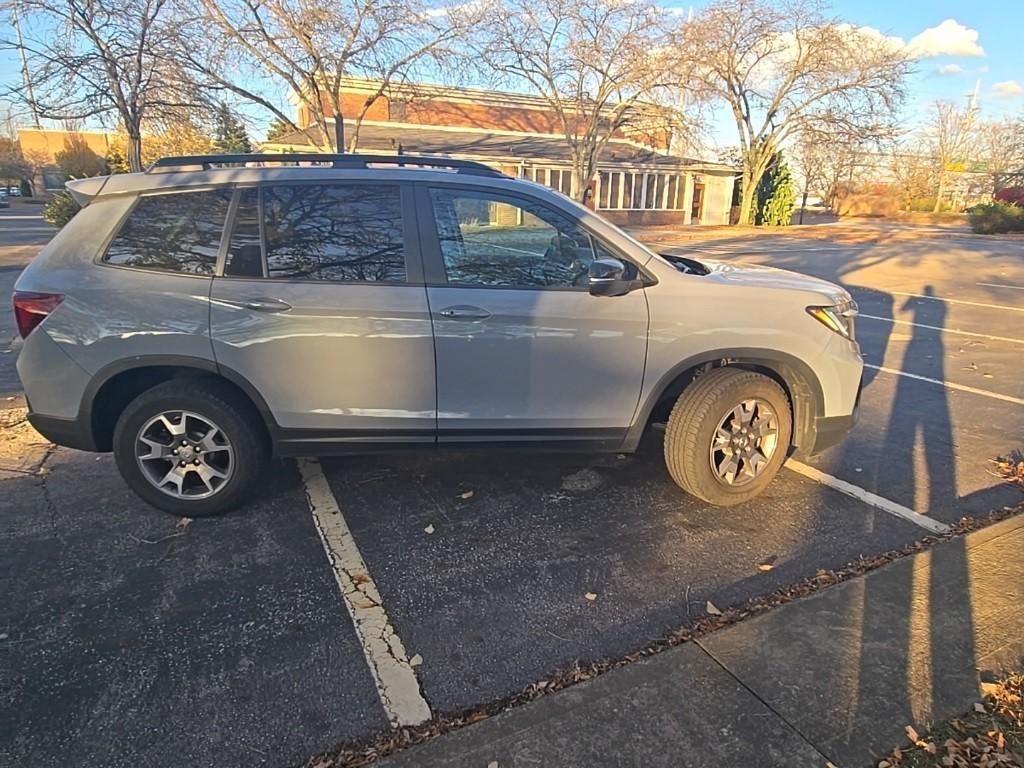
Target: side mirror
[608,278]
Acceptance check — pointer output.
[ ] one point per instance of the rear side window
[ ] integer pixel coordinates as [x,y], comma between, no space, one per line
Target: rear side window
[177,232]
[342,232]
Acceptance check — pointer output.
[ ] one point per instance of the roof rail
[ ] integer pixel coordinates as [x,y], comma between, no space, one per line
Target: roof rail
[206,162]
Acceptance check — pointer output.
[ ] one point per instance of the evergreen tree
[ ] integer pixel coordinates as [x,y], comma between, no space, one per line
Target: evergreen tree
[277,129]
[776,196]
[230,136]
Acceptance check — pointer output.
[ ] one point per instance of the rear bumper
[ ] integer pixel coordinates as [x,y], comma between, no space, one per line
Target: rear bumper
[67,432]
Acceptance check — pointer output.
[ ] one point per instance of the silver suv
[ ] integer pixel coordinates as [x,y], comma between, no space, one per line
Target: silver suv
[208,313]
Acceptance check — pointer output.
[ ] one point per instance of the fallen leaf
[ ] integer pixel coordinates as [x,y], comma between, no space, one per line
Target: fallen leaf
[590,596]
[466,495]
[765,567]
[183,522]
[987,375]
[492,764]
[415,661]
[979,707]
[712,609]
[884,764]
[912,734]
[429,528]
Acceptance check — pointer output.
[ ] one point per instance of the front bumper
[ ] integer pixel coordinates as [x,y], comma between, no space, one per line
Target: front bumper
[830,430]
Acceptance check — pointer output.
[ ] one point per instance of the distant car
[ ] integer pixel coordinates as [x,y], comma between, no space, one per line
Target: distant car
[13,192]
[4,192]
[195,318]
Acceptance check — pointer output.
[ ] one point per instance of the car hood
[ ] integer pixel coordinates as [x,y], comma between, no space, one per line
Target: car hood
[759,276]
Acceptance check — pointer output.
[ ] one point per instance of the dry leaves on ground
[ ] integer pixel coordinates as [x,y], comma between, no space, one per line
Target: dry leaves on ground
[990,735]
[1011,468]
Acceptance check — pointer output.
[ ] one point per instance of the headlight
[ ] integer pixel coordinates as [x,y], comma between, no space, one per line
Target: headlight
[838,318]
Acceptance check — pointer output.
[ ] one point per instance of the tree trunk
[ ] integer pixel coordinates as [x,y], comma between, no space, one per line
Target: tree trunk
[747,198]
[339,132]
[803,205]
[135,152]
[941,191]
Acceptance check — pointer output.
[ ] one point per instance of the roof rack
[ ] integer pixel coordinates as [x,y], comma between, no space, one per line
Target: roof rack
[206,162]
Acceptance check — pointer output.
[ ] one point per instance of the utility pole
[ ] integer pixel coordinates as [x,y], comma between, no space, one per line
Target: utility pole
[25,74]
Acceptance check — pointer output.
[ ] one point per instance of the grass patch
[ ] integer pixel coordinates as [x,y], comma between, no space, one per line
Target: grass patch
[990,735]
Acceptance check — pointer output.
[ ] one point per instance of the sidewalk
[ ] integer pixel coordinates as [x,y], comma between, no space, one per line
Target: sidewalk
[832,677]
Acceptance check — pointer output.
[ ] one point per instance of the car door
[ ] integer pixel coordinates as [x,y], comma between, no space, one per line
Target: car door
[321,307]
[524,351]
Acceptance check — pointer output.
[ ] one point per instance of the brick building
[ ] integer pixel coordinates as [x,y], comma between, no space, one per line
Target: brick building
[639,181]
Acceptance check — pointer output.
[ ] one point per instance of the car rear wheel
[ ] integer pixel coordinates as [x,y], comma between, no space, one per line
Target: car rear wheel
[190,448]
[728,435]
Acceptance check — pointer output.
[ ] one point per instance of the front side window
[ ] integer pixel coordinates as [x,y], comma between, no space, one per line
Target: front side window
[176,232]
[342,232]
[489,240]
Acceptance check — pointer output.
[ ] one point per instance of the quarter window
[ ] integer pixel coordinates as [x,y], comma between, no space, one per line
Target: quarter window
[334,232]
[493,241]
[177,232]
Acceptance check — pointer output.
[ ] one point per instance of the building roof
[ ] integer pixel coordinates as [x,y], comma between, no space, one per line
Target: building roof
[492,146]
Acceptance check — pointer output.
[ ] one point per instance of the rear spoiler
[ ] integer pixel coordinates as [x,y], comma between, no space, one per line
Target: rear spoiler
[84,190]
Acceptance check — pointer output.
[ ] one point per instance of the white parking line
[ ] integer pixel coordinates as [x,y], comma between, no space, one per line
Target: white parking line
[867,497]
[949,384]
[956,301]
[944,330]
[1002,285]
[397,684]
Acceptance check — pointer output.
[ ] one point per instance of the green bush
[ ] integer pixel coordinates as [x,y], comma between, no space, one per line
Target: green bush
[995,218]
[61,209]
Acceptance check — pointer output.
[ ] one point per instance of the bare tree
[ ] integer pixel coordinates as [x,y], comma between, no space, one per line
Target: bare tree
[311,47]
[102,60]
[999,144]
[782,67]
[825,163]
[949,136]
[597,64]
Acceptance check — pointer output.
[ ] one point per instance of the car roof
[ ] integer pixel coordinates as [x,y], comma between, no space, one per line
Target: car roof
[206,170]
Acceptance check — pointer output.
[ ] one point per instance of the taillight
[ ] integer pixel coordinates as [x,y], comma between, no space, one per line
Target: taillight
[30,309]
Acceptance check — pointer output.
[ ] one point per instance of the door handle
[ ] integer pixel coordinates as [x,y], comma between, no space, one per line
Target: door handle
[465,312]
[263,304]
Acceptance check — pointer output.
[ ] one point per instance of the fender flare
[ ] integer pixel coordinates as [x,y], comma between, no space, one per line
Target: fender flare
[802,385]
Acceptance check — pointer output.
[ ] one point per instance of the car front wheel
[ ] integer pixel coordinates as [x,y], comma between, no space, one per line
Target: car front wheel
[189,448]
[728,435]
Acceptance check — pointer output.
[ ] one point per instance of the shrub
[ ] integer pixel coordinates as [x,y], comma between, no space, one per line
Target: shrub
[1011,195]
[995,218]
[61,209]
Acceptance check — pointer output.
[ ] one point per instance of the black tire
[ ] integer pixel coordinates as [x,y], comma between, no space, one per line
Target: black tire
[235,417]
[695,419]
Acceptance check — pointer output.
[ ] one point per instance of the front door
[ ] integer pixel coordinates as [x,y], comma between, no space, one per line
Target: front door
[524,352]
[322,308]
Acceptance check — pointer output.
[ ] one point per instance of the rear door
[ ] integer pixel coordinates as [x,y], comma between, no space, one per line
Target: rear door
[524,351]
[321,306]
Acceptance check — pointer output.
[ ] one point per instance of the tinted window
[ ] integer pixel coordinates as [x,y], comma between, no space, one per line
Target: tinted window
[245,256]
[493,241]
[336,232]
[175,232]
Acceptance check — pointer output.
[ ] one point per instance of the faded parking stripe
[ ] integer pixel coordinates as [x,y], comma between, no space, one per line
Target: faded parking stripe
[397,684]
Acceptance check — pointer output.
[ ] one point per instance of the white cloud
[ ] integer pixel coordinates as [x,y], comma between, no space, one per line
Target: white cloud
[1008,89]
[950,38]
[950,69]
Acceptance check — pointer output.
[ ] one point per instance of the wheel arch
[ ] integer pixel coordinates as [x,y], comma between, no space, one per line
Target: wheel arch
[115,385]
[798,380]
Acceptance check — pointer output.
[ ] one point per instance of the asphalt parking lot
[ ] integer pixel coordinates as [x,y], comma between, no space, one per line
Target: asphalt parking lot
[364,591]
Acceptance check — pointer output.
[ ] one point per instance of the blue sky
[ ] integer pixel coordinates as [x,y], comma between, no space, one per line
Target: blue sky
[956,45]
